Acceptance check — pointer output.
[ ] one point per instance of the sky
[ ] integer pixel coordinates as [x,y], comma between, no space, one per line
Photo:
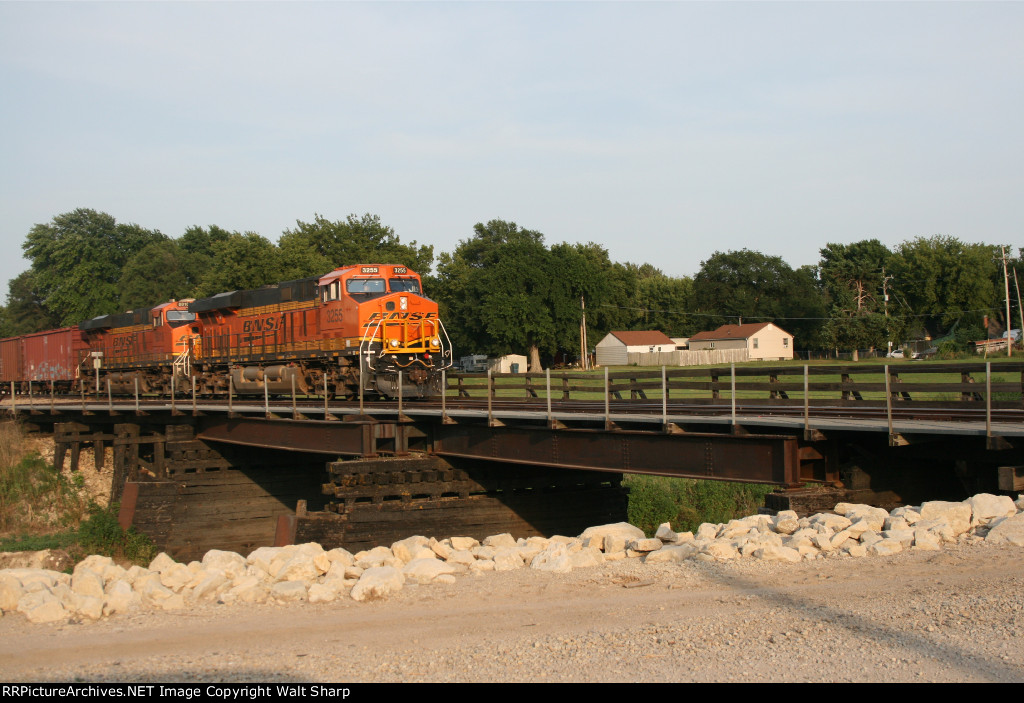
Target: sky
[663,131]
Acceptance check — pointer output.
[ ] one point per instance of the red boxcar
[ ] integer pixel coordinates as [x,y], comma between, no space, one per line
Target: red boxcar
[53,355]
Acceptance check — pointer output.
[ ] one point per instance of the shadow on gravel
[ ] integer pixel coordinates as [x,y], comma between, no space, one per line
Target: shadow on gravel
[953,657]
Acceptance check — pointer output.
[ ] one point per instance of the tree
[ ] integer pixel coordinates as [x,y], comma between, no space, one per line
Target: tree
[853,278]
[157,273]
[748,286]
[496,288]
[25,311]
[948,283]
[241,262]
[77,261]
[322,246]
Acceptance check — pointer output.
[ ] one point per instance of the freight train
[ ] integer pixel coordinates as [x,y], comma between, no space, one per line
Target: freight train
[328,335]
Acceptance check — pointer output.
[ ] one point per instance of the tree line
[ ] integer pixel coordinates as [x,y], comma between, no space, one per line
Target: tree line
[504,289]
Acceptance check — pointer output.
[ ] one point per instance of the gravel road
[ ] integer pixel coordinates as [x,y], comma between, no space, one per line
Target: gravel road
[954,615]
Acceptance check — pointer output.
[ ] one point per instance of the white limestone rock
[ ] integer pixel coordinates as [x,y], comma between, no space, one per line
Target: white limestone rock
[669,554]
[733,529]
[119,597]
[926,541]
[325,592]
[1008,530]
[622,529]
[461,556]
[590,556]
[208,588]
[11,592]
[480,566]
[509,559]
[895,523]
[247,589]
[707,531]
[407,549]
[263,557]
[613,544]
[773,553]
[289,591]
[89,607]
[786,522]
[907,513]
[835,523]
[904,537]
[176,577]
[341,556]
[645,545]
[464,543]
[299,568]
[161,562]
[665,533]
[377,556]
[554,558]
[42,606]
[721,549]
[442,549]
[885,547]
[500,541]
[424,571]
[985,507]
[87,583]
[378,582]
[483,552]
[958,515]
[230,563]
[875,517]
[856,550]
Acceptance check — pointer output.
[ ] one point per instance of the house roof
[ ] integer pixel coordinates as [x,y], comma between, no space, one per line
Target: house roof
[731,332]
[646,337]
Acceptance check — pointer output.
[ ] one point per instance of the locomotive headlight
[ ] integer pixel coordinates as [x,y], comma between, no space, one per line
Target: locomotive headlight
[403,303]
[394,343]
[435,342]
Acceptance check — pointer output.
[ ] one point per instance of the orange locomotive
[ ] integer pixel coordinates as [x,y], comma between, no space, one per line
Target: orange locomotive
[323,334]
[319,335]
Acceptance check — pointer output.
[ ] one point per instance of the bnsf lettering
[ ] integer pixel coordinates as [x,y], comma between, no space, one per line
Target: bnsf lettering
[121,343]
[268,324]
[402,316]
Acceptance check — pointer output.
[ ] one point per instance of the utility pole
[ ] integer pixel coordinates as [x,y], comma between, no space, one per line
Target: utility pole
[1020,310]
[1006,284]
[885,296]
[583,335]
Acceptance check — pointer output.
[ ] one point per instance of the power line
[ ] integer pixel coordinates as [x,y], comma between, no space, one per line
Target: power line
[769,318]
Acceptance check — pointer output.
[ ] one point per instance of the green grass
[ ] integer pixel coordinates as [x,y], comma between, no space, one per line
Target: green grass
[686,503]
[41,508]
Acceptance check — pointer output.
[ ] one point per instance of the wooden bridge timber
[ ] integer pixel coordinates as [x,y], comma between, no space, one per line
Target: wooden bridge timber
[537,454]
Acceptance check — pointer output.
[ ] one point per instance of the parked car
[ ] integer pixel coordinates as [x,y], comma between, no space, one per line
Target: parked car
[895,354]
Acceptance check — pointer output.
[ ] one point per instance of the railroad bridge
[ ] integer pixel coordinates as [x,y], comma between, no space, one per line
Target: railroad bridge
[536,453]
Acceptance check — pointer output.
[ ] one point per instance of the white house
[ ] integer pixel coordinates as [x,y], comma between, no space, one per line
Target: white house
[615,348]
[762,340]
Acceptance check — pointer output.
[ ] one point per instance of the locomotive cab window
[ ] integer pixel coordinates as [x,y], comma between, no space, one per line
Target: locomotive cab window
[404,285]
[177,318]
[365,288]
[332,291]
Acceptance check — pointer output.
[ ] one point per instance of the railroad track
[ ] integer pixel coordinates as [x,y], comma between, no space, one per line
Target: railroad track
[870,410]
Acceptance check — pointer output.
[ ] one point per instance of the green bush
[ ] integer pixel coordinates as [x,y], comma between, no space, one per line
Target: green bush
[686,503]
[101,534]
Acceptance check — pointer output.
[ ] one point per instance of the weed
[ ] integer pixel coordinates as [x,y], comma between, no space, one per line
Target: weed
[686,503]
